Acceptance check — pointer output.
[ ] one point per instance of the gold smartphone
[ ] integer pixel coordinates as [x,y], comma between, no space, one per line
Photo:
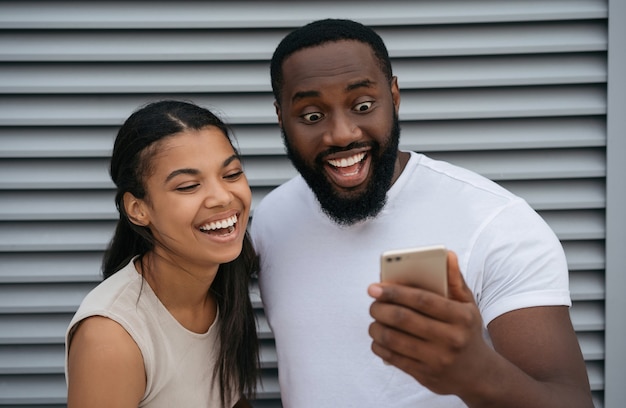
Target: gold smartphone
[423,267]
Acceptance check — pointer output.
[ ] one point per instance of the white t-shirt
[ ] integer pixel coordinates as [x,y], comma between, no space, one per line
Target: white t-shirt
[179,363]
[314,276]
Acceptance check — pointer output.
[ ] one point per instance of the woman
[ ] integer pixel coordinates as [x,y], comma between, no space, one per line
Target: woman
[172,323]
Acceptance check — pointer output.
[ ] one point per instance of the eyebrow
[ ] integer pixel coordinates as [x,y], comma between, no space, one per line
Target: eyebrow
[366,83]
[196,171]
[303,95]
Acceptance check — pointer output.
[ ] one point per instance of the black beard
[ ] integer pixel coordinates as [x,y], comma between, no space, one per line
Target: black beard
[344,208]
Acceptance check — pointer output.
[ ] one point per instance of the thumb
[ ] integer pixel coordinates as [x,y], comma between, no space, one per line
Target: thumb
[457,288]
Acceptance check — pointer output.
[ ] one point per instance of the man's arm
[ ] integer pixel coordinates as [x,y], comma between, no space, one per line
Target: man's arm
[536,361]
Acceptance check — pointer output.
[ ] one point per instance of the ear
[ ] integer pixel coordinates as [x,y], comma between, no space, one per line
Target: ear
[395,94]
[279,114]
[136,210]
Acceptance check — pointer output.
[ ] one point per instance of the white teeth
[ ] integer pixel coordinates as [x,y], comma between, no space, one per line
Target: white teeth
[227,223]
[350,161]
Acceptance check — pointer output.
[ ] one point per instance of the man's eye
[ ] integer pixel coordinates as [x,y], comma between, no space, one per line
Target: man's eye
[312,117]
[363,106]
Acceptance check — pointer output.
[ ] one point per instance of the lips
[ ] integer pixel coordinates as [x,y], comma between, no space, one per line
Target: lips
[220,227]
[349,171]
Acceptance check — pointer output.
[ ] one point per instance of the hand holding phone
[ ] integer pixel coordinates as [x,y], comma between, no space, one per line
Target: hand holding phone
[423,267]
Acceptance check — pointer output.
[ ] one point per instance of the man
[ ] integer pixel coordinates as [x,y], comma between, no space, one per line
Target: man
[504,339]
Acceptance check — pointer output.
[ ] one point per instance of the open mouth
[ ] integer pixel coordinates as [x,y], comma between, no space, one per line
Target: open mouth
[348,165]
[220,228]
[349,172]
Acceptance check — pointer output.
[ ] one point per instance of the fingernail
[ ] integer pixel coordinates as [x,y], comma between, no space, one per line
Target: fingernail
[375,291]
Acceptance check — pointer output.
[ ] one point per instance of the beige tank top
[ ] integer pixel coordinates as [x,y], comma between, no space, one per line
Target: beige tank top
[179,363]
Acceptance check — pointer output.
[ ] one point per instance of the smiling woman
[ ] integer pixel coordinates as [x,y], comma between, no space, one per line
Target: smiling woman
[172,323]
[195,179]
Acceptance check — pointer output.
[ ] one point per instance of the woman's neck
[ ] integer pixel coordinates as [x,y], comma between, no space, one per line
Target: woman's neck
[183,289]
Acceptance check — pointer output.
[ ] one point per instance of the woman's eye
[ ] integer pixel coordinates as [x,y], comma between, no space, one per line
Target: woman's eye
[312,117]
[363,106]
[188,187]
[234,176]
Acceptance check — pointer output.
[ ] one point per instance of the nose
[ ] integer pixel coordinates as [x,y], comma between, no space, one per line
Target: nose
[218,195]
[343,131]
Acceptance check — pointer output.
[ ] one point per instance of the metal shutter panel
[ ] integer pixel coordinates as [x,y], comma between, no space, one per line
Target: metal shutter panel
[514,90]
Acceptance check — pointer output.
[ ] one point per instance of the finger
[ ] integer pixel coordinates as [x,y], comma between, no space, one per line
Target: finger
[416,299]
[457,288]
[389,357]
[375,290]
[389,342]
[413,366]
[397,318]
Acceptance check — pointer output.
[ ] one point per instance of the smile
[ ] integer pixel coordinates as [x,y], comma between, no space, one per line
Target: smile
[227,224]
[348,172]
[347,162]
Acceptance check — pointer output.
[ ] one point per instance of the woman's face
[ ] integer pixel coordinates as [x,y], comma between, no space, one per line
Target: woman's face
[197,198]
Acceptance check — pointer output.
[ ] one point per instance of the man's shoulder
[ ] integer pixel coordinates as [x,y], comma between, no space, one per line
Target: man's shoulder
[453,173]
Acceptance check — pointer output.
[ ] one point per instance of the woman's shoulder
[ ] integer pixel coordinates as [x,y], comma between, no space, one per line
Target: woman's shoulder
[105,334]
[103,356]
[113,302]
[113,288]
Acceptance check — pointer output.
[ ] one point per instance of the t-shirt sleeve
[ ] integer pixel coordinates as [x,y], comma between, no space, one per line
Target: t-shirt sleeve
[519,262]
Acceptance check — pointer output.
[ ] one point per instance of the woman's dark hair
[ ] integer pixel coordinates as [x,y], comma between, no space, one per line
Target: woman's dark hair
[321,32]
[133,150]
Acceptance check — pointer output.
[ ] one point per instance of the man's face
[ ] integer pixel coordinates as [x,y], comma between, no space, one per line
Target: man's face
[338,115]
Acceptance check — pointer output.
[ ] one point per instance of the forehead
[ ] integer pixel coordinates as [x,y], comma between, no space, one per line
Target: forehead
[202,146]
[330,63]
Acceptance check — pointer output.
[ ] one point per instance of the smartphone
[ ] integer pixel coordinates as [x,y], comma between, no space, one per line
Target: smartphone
[423,267]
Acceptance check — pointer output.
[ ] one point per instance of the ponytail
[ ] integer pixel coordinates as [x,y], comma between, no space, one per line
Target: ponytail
[129,240]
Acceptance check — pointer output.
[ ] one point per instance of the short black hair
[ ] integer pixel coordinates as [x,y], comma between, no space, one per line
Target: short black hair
[321,32]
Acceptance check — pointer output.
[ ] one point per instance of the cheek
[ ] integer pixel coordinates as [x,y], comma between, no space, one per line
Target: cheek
[381,121]
[303,135]
[306,142]
[244,193]
[164,213]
